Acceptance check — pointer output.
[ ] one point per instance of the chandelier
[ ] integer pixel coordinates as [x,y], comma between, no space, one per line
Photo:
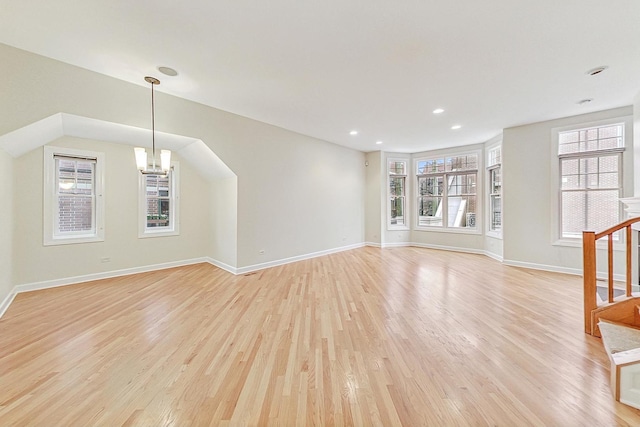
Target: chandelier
[141,153]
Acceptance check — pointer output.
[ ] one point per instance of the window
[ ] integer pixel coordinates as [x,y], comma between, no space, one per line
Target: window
[447,192]
[397,189]
[159,204]
[73,205]
[494,169]
[590,178]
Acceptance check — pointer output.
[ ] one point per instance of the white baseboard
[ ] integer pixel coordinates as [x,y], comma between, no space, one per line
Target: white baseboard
[544,267]
[448,248]
[7,301]
[222,265]
[275,263]
[438,247]
[491,255]
[104,275]
[566,270]
[247,269]
[46,284]
[397,245]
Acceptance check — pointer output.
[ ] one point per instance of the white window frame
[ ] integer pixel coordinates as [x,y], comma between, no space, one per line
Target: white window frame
[174,204]
[407,163]
[479,191]
[51,234]
[490,167]
[626,182]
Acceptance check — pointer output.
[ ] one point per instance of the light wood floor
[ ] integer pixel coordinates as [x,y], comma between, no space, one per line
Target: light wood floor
[402,336]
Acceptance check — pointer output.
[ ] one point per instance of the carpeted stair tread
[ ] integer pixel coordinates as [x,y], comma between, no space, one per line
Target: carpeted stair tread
[619,337]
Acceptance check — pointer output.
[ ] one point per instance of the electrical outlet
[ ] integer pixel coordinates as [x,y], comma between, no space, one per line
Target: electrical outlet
[105,259]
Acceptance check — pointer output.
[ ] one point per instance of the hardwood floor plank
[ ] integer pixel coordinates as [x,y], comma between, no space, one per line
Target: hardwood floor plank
[402,336]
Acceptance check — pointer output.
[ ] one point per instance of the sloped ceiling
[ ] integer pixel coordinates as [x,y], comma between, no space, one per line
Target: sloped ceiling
[37,134]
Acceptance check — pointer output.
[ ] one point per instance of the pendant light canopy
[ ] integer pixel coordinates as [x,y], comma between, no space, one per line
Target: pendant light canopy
[141,153]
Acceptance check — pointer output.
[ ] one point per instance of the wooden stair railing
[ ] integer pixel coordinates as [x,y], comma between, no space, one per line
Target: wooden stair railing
[589,239]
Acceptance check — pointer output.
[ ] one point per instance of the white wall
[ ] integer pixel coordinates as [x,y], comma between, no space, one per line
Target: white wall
[373,202]
[527,170]
[6,226]
[224,211]
[296,195]
[34,262]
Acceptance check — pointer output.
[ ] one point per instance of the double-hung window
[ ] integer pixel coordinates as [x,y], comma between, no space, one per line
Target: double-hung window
[397,193]
[590,178]
[73,203]
[494,170]
[446,191]
[159,204]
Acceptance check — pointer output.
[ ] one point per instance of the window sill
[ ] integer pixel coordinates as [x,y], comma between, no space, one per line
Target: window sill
[494,235]
[398,228]
[473,231]
[55,241]
[149,234]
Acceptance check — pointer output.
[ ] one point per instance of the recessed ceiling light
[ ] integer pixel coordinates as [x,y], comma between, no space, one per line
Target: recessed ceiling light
[353,132]
[455,127]
[585,101]
[597,70]
[378,142]
[168,71]
[438,111]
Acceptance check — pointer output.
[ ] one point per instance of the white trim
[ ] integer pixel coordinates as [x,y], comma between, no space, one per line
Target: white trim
[4,305]
[275,263]
[174,206]
[37,134]
[49,191]
[449,248]
[488,168]
[396,245]
[479,152]
[600,275]
[544,267]
[47,284]
[459,230]
[497,257]
[222,265]
[493,234]
[626,184]
[407,175]
[243,270]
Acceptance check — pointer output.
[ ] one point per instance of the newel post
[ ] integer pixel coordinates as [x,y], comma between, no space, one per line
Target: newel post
[589,277]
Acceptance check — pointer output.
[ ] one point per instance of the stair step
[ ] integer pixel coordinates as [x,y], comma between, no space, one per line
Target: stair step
[619,337]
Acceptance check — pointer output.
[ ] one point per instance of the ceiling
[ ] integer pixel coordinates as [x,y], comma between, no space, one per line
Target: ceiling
[325,68]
